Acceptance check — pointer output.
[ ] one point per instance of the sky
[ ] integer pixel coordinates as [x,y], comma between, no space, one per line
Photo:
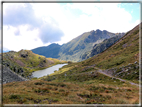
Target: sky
[32,25]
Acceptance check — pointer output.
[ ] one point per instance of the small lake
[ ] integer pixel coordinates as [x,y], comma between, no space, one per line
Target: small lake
[47,71]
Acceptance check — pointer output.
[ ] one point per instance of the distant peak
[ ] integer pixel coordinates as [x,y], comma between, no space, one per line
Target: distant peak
[98,30]
[104,30]
[12,51]
[92,31]
[54,44]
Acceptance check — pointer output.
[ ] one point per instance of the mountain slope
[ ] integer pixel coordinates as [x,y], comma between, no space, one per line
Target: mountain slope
[98,48]
[123,52]
[25,62]
[48,51]
[10,76]
[120,60]
[76,47]
[82,83]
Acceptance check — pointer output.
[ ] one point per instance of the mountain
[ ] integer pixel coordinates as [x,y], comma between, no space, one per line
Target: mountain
[48,51]
[98,48]
[120,60]
[123,52]
[25,62]
[76,47]
[87,82]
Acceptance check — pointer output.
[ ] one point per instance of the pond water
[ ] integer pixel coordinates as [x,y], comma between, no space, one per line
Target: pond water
[47,71]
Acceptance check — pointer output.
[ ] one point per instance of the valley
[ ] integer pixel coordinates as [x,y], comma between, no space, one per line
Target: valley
[102,73]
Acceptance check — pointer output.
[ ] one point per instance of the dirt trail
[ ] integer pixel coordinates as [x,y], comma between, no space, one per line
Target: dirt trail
[101,71]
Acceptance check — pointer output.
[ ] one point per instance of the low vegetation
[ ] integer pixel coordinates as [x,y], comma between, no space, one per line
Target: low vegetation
[82,83]
[25,62]
[89,92]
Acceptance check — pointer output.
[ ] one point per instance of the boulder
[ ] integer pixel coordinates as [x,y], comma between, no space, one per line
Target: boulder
[24,54]
[135,62]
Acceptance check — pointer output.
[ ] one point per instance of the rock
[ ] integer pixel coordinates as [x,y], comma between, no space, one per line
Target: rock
[24,54]
[135,62]
[127,70]
[10,76]
[44,61]
[137,67]
[65,75]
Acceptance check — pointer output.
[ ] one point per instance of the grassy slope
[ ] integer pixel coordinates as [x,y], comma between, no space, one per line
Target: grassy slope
[121,54]
[125,51]
[50,51]
[43,92]
[80,83]
[31,62]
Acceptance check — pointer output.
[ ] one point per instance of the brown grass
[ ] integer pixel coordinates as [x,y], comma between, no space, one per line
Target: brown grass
[43,92]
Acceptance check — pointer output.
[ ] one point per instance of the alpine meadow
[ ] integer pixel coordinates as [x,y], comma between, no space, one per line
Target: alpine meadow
[95,66]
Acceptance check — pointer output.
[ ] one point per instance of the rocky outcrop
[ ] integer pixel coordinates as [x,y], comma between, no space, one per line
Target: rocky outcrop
[24,54]
[130,72]
[10,76]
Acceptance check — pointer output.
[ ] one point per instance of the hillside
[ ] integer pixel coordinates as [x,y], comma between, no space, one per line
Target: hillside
[74,49]
[10,76]
[51,51]
[120,60]
[100,47]
[97,80]
[25,62]
[122,53]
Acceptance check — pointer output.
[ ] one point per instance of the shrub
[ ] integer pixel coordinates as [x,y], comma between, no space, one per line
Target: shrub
[61,90]
[62,85]
[14,96]
[38,83]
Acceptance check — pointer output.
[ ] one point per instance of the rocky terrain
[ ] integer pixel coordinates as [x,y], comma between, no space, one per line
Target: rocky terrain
[19,65]
[10,76]
[100,47]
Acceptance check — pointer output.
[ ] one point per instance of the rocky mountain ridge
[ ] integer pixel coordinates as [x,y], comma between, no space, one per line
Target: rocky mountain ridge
[73,50]
[100,47]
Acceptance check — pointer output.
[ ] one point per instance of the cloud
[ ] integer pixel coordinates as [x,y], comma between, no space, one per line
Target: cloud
[18,15]
[45,23]
[50,34]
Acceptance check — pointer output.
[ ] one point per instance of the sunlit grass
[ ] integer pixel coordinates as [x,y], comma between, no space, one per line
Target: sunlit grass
[91,92]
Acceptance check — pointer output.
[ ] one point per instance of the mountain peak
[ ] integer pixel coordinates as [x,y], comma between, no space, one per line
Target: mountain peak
[54,44]
[98,30]
[92,31]
[105,31]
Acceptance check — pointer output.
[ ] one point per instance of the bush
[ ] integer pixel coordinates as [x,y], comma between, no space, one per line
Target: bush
[61,90]
[38,83]
[14,96]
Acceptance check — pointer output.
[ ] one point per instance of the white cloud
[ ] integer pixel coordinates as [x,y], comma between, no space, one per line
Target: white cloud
[26,40]
[68,21]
